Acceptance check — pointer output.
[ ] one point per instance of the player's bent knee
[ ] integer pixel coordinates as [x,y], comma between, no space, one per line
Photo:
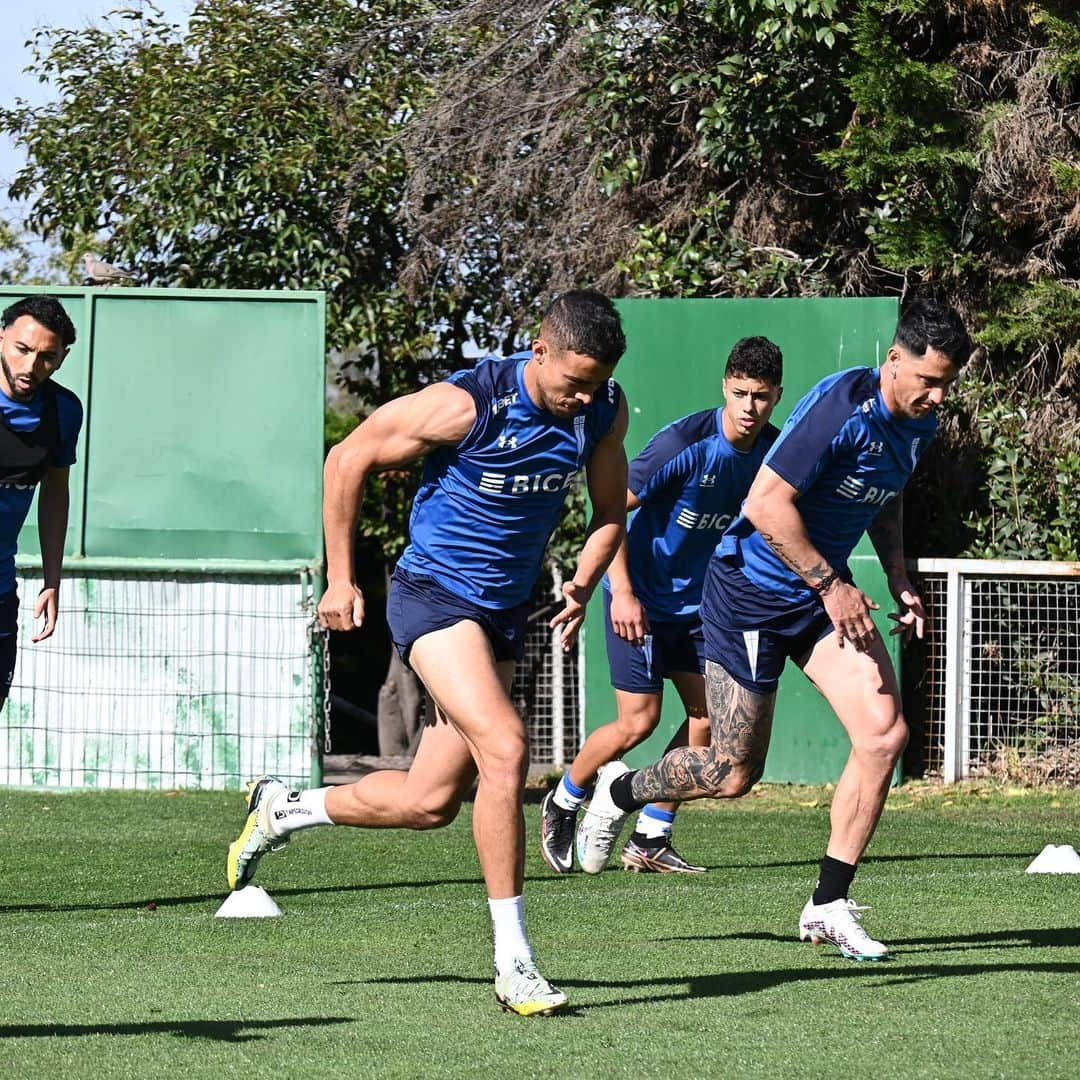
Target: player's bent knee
[435,815]
[635,729]
[741,779]
[886,744]
[503,758]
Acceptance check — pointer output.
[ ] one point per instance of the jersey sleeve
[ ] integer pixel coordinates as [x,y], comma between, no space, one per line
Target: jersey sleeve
[604,418]
[69,418]
[816,428]
[469,381]
[666,460]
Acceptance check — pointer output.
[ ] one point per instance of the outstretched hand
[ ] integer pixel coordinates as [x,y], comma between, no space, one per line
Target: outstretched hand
[911,619]
[47,608]
[573,615]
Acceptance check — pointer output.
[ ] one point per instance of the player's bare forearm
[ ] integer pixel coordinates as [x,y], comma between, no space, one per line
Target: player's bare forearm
[886,533]
[343,489]
[53,507]
[602,542]
[619,569]
[781,526]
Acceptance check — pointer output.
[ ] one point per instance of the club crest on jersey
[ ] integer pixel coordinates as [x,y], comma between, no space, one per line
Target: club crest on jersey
[506,484]
[851,487]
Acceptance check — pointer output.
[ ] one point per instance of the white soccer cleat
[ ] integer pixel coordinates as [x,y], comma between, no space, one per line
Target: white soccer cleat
[257,836]
[523,990]
[840,922]
[601,823]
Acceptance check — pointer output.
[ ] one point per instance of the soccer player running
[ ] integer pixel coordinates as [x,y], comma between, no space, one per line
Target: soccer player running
[39,427]
[504,441]
[779,586]
[686,487]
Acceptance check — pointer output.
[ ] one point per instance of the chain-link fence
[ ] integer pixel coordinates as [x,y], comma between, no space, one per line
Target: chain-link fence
[547,690]
[165,680]
[1001,683]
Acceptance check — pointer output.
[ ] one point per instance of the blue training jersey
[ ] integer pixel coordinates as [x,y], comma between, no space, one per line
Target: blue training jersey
[487,507]
[15,499]
[691,483]
[849,457]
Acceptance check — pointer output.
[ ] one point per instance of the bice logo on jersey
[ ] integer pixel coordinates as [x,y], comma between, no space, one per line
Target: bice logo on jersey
[502,483]
[851,487]
[691,519]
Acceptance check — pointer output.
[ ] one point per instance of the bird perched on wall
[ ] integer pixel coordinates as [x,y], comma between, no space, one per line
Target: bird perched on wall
[99,272]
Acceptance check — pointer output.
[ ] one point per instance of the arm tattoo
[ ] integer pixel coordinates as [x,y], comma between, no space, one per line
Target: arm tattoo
[812,575]
[741,724]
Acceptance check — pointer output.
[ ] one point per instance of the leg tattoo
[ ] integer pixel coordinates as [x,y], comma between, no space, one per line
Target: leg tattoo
[741,723]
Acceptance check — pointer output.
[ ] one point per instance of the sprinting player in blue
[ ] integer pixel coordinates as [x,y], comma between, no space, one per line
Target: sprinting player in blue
[779,586]
[685,488]
[39,427]
[504,441]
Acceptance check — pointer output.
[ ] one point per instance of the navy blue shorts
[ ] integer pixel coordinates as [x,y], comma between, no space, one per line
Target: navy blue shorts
[419,605]
[669,647]
[9,640]
[751,632]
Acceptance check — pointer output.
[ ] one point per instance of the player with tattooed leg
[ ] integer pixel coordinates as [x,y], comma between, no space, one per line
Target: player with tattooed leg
[779,586]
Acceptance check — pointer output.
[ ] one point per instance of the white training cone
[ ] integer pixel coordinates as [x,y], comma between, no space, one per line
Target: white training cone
[250,902]
[1056,859]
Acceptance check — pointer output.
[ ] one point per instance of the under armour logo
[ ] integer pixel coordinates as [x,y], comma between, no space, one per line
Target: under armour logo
[875,448]
[507,440]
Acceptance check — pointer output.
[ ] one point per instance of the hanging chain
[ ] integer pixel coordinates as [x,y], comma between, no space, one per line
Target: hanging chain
[319,645]
[324,635]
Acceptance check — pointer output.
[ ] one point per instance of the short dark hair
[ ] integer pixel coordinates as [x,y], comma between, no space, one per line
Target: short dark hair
[46,310]
[755,358]
[585,321]
[932,324]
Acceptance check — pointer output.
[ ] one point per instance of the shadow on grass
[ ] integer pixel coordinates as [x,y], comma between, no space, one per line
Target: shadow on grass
[625,992]
[206,898]
[869,860]
[1046,938]
[231,1031]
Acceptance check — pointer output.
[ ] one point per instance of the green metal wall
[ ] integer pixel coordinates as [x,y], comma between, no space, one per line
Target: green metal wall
[203,431]
[674,365]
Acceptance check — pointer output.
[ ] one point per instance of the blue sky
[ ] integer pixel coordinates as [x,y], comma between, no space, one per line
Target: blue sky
[20,21]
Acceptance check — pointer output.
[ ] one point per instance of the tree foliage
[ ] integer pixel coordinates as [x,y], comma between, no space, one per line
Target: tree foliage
[440,167]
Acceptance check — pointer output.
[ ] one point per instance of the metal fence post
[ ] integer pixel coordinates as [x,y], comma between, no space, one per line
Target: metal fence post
[558,705]
[955,764]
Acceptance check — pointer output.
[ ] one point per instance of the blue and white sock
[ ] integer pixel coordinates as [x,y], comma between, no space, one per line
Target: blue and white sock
[568,795]
[654,823]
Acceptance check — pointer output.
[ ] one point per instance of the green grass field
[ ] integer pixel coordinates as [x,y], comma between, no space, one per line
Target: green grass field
[114,965]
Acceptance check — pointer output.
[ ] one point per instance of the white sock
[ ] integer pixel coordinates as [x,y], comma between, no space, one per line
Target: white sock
[654,823]
[298,810]
[511,938]
[564,797]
